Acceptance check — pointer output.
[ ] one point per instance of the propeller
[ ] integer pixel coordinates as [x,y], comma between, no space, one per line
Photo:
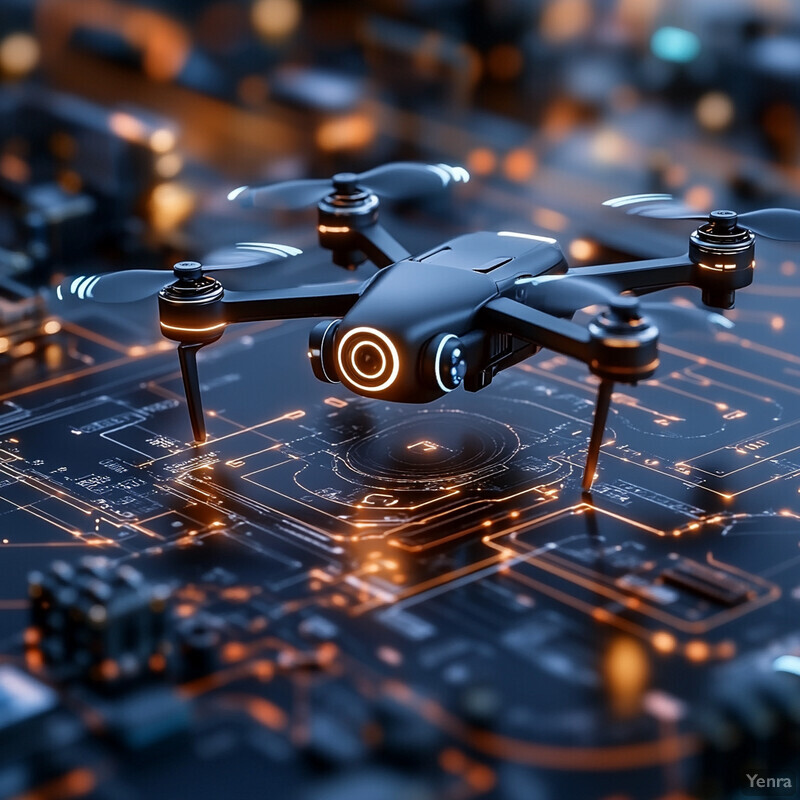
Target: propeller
[131,285]
[396,181]
[782,224]
[565,294]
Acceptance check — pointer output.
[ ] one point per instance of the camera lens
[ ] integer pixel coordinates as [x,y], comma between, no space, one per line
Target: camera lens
[368,359]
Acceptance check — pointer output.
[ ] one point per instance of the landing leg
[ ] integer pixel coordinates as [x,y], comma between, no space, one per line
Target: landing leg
[187,355]
[604,393]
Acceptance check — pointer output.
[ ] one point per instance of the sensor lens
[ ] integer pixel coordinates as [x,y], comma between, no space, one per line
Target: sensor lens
[449,362]
[368,360]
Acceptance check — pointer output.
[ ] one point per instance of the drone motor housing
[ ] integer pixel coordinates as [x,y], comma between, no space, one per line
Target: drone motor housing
[190,310]
[340,216]
[625,343]
[724,257]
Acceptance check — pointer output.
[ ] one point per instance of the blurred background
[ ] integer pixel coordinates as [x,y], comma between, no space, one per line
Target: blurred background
[123,125]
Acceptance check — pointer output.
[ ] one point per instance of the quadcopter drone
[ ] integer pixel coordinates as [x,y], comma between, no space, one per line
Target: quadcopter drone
[426,323]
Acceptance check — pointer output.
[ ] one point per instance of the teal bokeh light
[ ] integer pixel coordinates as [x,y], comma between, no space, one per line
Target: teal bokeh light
[675,44]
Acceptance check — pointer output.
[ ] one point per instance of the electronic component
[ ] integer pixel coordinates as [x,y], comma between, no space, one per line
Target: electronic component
[715,584]
[100,622]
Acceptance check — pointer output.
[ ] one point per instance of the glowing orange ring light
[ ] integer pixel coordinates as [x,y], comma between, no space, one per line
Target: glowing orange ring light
[393,359]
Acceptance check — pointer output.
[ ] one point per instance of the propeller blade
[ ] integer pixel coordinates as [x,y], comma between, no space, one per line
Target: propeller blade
[131,285]
[115,287]
[565,294]
[782,224]
[244,255]
[675,318]
[668,212]
[404,179]
[237,265]
[289,195]
[659,206]
[395,181]
[634,199]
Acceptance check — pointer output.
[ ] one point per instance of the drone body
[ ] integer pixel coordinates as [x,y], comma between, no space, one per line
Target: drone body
[425,324]
[413,335]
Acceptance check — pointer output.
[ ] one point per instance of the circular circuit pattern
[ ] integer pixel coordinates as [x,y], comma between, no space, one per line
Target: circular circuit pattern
[445,448]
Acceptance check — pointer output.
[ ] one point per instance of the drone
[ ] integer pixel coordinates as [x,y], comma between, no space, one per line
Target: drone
[425,324]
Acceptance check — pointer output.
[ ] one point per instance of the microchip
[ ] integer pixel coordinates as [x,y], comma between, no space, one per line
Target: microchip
[714,584]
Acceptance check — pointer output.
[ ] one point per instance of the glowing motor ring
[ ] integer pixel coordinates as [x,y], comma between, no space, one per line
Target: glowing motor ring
[386,348]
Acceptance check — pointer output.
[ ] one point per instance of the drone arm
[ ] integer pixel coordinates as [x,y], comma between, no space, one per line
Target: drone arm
[641,277]
[322,300]
[352,239]
[380,247]
[537,327]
